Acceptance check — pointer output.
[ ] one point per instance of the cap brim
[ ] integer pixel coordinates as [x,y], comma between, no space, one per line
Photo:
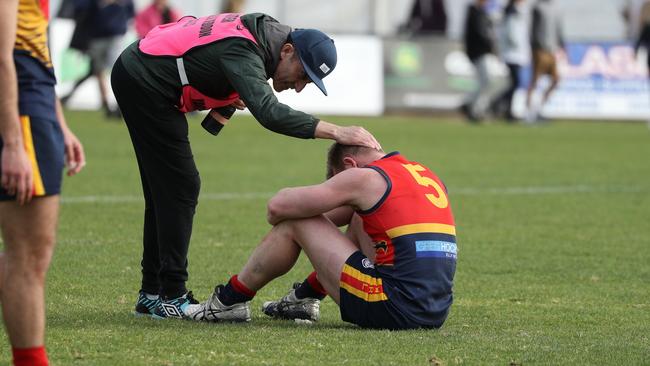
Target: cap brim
[312,76]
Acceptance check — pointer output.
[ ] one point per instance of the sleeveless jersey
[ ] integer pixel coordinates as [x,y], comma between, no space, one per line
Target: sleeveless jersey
[414,233]
[176,39]
[36,96]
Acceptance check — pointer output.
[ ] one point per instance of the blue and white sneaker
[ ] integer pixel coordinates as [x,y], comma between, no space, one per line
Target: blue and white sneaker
[146,304]
[182,307]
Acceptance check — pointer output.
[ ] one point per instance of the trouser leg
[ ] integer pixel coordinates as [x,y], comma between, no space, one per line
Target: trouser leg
[171,181]
[514,84]
[482,97]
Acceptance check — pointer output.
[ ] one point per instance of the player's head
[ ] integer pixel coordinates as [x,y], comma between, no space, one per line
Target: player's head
[341,157]
[308,56]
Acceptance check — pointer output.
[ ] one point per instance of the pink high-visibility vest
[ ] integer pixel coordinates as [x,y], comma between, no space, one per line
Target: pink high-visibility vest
[176,39]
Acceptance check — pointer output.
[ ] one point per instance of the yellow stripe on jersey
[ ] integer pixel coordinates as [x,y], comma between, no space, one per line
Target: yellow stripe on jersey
[421,228]
[361,285]
[39,189]
[31,34]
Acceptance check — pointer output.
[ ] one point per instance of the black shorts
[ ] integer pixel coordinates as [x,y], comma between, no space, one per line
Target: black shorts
[43,141]
[363,298]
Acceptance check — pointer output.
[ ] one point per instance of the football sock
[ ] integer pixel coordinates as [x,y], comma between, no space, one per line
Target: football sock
[35,356]
[151,296]
[235,292]
[311,287]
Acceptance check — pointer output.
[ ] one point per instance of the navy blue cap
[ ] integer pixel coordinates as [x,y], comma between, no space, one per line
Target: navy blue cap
[317,54]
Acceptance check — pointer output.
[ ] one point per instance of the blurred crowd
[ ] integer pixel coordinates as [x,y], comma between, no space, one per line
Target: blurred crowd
[518,40]
[100,26]
[512,33]
[526,32]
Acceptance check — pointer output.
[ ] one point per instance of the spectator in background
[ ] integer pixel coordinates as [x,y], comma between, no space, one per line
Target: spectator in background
[643,39]
[632,16]
[104,24]
[159,12]
[427,17]
[546,39]
[232,6]
[515,53]
[479,44]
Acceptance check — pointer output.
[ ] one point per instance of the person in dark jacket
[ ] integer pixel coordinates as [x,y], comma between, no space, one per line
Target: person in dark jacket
[479,43]
[151,92]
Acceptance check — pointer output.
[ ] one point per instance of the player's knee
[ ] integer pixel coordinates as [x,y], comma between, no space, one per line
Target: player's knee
[31,263]
[284,229]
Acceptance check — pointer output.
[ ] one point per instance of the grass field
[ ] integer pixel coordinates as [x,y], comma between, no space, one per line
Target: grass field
[554,249]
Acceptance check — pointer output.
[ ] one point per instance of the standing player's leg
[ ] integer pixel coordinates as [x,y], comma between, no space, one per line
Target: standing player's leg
[29,235]
[554,75]
[534,77]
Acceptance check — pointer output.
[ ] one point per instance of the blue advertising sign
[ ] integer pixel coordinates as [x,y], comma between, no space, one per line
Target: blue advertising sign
[597,80]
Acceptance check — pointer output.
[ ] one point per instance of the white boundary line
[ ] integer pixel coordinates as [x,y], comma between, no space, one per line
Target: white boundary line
[512,191]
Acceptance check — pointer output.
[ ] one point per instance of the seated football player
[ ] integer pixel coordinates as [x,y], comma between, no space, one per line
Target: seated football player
[392,269]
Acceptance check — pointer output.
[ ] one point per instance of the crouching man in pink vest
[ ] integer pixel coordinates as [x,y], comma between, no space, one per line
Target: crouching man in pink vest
[219,62]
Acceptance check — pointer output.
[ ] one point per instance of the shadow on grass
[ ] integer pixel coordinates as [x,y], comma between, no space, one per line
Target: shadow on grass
[82,319]
[79,320]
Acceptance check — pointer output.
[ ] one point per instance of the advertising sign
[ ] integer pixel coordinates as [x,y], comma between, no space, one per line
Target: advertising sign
[598,80]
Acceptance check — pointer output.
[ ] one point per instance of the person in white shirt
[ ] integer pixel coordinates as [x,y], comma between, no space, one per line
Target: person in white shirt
[515,53]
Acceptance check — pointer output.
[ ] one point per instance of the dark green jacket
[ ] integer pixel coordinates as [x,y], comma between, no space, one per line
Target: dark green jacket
[218,69]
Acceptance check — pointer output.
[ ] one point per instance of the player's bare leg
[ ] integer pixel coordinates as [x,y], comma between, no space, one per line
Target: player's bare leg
[529,92]
[554,81]
[29,235]
[273,257]
[326,247]
[359,237]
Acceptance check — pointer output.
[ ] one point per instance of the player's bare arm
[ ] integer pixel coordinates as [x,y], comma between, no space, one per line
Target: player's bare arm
[16,168]
[340,216]
[359,188]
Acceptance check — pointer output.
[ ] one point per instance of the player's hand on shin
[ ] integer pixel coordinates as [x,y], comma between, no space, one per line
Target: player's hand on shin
[17,176]
[354,135]
[75,158]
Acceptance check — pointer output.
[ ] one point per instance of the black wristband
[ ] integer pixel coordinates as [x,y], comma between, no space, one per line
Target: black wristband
[226,111]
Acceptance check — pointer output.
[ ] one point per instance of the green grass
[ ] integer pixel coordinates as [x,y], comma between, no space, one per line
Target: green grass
[553,231]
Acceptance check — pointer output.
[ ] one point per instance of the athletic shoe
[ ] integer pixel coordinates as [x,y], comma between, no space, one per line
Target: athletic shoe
[213,310]
[290,307]
[183,307]
[146,304]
